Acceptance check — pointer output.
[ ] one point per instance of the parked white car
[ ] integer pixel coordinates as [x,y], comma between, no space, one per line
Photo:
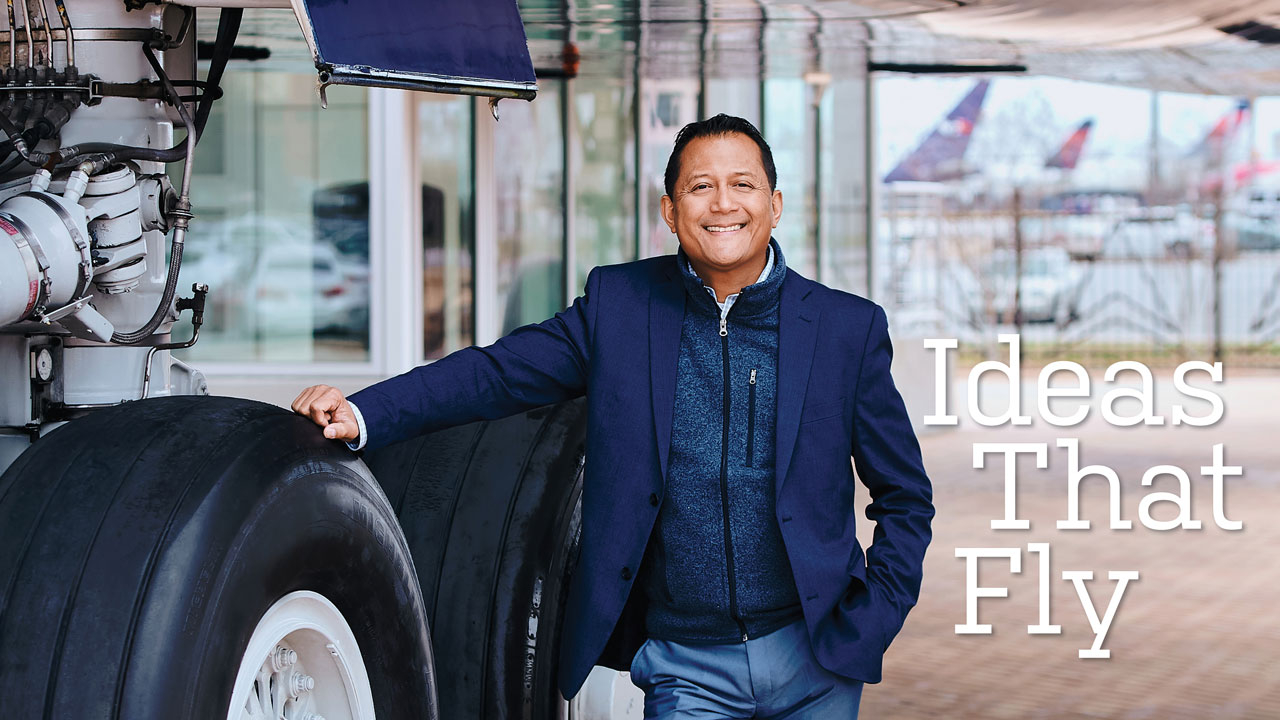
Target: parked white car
[1049,279]
[1160,233]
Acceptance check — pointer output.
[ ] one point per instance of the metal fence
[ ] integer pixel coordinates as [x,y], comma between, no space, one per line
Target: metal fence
[1092,279]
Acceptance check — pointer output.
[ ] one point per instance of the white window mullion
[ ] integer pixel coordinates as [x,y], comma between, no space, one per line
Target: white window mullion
[395,237]
[488,313]
[572,162]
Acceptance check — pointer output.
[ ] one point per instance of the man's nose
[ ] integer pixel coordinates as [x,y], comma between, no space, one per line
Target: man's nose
[724,199]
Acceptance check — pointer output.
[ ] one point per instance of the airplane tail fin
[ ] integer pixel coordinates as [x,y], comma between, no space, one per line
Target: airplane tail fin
[1069,154]
[941,156]
[1222,132]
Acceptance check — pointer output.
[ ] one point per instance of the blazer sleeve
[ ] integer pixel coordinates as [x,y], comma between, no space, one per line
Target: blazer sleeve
[887,458]
[532,366]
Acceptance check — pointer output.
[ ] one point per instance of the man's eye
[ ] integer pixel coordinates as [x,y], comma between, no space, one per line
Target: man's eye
[746,185]
[701,186]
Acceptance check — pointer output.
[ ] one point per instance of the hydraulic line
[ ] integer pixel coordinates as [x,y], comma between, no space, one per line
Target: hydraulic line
[66,25]
[181,213]
[13,38]
[10,164]
[106,154]
[228,27]
[24,107]
[193,133]
[14,132]
[13,129]
[49,119]
[40,103]
[223,43]
[48,34]
[26,24]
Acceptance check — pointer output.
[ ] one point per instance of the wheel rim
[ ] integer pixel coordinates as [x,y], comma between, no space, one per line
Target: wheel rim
[302,663]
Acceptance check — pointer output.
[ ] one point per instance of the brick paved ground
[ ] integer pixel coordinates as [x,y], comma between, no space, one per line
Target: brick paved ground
[1198,636]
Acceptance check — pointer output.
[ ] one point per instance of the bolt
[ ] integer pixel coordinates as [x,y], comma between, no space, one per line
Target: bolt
[282,657]
[300,683]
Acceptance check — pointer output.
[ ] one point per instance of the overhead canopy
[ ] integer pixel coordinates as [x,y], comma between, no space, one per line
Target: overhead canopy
[1189,46]
[476,47]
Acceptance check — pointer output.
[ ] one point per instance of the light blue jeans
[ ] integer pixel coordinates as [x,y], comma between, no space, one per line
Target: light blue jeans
[775,676]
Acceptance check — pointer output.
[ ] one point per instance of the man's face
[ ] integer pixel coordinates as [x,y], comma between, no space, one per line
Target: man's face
[722,209]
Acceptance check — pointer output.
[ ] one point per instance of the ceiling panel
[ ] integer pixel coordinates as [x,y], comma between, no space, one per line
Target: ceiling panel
[1170,44]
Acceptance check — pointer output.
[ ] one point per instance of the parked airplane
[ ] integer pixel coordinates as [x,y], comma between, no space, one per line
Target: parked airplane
[1214,150]
[1222,133]
[941,156]
[1069,154]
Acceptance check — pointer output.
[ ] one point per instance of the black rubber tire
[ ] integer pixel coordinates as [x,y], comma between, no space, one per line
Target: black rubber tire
[141,544]
[493,515]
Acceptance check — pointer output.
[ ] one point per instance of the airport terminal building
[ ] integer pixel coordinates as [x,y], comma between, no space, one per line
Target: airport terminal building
[350,243]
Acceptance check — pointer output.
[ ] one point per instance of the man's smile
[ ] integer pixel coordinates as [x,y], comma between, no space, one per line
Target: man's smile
[724,228]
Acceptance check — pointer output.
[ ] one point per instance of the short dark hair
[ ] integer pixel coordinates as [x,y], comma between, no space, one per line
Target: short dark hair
[715,126]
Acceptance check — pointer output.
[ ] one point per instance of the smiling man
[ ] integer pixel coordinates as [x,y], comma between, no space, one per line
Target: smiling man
[726,395]
[722,203]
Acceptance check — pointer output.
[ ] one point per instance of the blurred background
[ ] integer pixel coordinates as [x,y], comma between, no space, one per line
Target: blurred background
[1102,178]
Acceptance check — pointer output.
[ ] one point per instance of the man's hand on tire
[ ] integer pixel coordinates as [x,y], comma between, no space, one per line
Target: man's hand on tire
[327,407]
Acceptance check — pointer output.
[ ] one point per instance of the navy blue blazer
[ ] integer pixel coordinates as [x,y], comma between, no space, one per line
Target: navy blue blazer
[619,344]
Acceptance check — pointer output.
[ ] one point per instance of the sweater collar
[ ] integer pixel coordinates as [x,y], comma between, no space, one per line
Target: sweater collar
[753,300]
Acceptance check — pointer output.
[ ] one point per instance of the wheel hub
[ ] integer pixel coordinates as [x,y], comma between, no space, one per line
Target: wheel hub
[302,663]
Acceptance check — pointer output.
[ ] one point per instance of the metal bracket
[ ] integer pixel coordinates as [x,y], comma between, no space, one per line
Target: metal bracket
[141,90]
[196,305]
[162,41]
[94,89]
[68,309]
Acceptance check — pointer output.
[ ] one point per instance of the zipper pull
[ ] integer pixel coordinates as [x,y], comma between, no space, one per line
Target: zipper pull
[724,329]
[753,376]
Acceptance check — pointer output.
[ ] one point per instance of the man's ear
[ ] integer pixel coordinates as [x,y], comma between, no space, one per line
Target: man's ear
[776,203]
[669,212]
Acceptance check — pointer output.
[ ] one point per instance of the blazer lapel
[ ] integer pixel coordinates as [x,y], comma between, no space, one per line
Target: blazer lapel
[666,315]
[797,336]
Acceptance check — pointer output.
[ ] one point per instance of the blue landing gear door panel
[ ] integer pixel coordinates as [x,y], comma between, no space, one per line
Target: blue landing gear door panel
[474,47]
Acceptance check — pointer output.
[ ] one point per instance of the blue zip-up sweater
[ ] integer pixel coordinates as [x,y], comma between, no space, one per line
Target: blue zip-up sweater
[715,569]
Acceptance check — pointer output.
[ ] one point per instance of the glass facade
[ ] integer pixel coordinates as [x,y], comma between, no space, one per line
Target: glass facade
[528,150]
[514,214]
[281,237]
[788,128]
[667,106]
[603,169]
[448,228]
[511,215]
[843,190]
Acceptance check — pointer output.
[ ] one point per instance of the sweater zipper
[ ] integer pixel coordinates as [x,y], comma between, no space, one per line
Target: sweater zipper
[724,481]
[751,417]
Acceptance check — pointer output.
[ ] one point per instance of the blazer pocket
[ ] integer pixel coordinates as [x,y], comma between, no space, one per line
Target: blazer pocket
[822,411]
